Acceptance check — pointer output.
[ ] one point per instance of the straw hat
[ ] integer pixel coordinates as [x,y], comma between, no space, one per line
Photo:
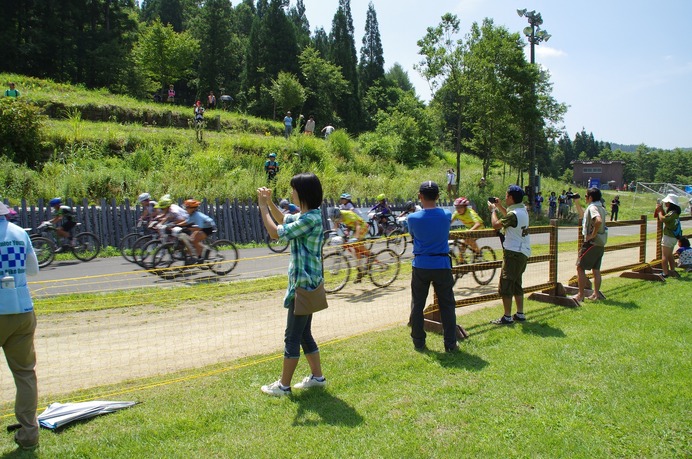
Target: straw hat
[671,198]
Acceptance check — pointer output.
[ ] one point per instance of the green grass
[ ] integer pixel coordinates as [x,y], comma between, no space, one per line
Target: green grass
[609,379]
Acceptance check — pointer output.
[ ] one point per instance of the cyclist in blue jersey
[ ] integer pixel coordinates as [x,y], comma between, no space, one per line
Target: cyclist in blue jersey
[198,225]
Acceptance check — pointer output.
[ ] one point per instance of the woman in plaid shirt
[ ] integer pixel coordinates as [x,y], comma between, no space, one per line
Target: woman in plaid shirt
[304,231]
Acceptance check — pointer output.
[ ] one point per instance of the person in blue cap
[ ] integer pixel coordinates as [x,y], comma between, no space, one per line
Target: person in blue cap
[271,167]
[513,218]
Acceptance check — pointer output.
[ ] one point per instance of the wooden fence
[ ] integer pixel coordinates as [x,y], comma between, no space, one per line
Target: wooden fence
[236,220]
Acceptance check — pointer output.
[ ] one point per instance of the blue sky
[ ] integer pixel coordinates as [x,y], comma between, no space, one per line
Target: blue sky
[623,67]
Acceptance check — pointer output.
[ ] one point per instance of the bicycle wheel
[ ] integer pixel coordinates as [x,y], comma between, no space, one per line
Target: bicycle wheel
[126,244]
[277,245]
[44,250]
[223,257]
[384,267]
[337,270]
[397,242]
[485,276]
[87,246]
[144,256]
[461,255]
[168,260]
[138,247]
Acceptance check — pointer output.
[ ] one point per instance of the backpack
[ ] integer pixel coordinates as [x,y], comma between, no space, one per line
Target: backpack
[677,232]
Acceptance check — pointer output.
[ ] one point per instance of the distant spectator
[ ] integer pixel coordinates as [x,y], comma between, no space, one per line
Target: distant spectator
[538,204]
[171,94]
[271,167]
[569,195]
[552,205]
[451,183]
[482,184]
[328,129]
[11,92]
[614,208]
[211,100]
[288,124]
[310,126]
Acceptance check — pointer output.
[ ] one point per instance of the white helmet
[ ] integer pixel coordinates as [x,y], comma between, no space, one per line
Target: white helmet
[143,197]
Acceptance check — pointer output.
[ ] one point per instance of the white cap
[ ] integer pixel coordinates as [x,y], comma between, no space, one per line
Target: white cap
[4,210]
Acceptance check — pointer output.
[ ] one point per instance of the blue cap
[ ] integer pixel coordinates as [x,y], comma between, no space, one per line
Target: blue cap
[514,188]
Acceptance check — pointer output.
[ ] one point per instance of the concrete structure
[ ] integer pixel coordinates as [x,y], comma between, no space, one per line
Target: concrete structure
[607,174]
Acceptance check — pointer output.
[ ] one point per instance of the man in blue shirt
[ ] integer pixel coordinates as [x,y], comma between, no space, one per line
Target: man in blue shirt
[431,264]
[288,124]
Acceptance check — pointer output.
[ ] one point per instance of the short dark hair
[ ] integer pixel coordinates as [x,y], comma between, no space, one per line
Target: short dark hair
[309,189]
[595,193]
[684,242]
[516,193]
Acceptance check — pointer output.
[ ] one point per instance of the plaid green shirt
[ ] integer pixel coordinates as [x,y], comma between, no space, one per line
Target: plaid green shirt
[304,231]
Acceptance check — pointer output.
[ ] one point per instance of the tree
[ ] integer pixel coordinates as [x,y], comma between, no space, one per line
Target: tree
[443,64]
[398,77]
[218,58]
[164,55]
[324,85]
[371,67]
[287,92]
[169,12]
[343,54]
[301,25]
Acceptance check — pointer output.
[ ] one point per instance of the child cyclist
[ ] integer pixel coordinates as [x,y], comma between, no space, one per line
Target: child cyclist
[358,228]
[470,219]
[198,225]
[63,219]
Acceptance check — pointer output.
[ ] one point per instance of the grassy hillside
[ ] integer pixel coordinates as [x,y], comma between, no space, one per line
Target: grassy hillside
[90,155]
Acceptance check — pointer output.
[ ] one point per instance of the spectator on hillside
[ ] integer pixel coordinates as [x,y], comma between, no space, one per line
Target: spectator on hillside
[514,219]
[271,167]
[451,183]
[327,130]
[171,94]
[538,204]
[482,184]
[288,125]
[552,205]
[310,126]
[211,101]
[11,92]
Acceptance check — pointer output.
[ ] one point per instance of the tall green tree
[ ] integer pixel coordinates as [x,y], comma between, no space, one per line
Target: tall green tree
[324,86]
[169,12]
[442,64]
[218,58]
[343,54]
[371,67]
[301,25]
[287,92]
[397,76]
[164,55]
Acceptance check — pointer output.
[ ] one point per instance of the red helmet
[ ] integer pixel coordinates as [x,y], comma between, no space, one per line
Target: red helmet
[462,201]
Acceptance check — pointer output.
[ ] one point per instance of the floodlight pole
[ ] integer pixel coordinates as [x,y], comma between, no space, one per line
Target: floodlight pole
[535,36]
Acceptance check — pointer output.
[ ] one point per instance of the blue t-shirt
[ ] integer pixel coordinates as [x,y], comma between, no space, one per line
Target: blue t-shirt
[430,231]
[201,220]
[15,247]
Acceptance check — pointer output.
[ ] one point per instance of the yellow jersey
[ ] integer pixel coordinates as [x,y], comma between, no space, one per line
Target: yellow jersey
[468,218]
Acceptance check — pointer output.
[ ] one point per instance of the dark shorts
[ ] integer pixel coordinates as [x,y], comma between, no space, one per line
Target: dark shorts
[68,225]
[590,256]
[513,267]
[208,231]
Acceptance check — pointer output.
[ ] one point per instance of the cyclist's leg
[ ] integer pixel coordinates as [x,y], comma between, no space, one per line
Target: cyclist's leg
[197,236]
[472,243]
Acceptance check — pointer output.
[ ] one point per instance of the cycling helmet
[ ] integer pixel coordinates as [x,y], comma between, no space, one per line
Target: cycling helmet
[284,203]
[144,197]
[55,202]
[462,201]
[272,155]
[191,203]
[381,197]
[410,206]
[165,201]
[336,214]
[345,196]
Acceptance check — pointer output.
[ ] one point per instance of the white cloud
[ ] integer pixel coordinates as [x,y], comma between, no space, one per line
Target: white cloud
[547,51]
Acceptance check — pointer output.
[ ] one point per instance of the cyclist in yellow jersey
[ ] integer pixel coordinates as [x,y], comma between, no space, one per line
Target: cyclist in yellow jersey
[470,219]
[358,229]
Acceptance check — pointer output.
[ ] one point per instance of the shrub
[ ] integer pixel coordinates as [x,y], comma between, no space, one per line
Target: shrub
[20,131]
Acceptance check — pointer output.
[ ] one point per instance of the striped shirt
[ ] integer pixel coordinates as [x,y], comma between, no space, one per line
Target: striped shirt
[304,231]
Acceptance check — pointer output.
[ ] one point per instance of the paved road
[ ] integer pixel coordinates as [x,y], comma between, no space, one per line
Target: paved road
[117,273]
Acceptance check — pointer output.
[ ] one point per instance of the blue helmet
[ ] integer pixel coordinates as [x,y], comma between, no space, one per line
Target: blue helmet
[55,202]
[345,196]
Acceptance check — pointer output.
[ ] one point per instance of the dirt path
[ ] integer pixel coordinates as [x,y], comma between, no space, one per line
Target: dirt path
[88,349]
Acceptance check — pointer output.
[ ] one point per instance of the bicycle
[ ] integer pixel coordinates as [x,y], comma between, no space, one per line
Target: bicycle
[172,258]
[127,242]
[382,267]
[85,246]
[276,245]
[393,232]
[462,254]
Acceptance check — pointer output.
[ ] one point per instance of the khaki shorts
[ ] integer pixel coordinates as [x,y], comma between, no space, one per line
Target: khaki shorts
[513,267]
[590,256]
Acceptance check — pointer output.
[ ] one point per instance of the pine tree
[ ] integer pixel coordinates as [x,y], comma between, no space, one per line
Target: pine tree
[343,53]
[371,67]
[213,30]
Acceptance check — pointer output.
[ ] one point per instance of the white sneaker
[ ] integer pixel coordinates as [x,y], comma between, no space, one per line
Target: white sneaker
[310,381]
[275,389]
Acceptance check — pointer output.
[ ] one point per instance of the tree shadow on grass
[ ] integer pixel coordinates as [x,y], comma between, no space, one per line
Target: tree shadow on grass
[317,406]
[542,330]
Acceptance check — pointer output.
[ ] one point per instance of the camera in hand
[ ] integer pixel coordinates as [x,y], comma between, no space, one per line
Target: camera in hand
[493,200]
[576,196]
